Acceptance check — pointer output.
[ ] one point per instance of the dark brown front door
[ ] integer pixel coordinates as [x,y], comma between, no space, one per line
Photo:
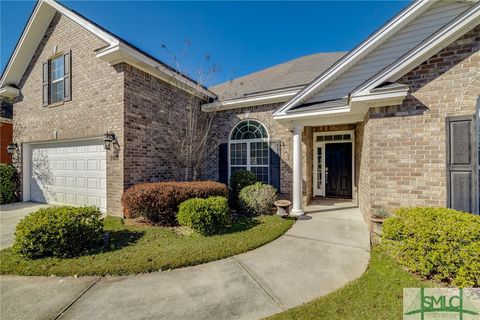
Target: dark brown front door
[338,169]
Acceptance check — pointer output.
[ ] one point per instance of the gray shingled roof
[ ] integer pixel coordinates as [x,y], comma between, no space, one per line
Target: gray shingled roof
[297,72]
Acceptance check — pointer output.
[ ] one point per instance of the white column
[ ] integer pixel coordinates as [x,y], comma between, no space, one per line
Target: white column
[297,209]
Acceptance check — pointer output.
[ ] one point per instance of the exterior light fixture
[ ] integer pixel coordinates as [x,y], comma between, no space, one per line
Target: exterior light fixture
[108,139]
[12,147]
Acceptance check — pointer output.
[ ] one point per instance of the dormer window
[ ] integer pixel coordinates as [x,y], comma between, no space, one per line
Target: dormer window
[56,79]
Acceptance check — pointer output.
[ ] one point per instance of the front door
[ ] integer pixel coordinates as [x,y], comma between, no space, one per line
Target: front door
[338,169]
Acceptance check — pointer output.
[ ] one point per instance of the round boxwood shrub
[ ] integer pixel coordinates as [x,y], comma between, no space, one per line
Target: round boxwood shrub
[239,180]
[207,216]
[158,201]
[257,199]
[437,243]
[59,232]
[9,183]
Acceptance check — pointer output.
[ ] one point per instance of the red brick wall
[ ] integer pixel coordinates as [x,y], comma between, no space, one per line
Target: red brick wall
[6,133]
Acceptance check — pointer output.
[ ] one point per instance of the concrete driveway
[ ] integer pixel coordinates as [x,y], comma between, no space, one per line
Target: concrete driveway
[321,253]
[10,215]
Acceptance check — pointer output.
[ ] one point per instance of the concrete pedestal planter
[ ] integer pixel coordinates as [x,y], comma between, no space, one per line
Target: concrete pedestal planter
[283,207]
[376,225]
[376,221]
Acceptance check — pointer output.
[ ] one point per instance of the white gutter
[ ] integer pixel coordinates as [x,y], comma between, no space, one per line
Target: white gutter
[251,100]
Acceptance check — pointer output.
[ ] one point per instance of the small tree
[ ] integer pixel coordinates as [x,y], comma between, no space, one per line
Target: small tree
[190,128]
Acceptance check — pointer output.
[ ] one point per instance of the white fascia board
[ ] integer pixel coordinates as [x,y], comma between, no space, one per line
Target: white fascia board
[464,23]
[397,93]
[124,53]
[8,77]
[398,22]
[328,120]
[248,101]
[9,92]
[314,113]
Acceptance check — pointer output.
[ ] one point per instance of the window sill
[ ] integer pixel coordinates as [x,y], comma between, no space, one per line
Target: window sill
[56,104]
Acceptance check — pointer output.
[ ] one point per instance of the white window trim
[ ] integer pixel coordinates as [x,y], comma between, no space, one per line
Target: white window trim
[247,142]
[322,144]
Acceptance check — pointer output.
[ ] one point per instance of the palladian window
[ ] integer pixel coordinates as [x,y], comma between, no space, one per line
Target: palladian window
[249,149]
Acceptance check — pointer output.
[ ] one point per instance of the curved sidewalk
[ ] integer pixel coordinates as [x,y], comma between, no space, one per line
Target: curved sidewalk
[319,254]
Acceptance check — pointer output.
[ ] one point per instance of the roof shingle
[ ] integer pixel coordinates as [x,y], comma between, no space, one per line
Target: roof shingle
[297,72]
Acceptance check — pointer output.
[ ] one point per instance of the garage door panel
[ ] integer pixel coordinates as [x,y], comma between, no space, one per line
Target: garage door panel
[69,173]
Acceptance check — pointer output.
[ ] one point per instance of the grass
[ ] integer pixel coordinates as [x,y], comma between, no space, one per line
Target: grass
[377,294]
[139,249]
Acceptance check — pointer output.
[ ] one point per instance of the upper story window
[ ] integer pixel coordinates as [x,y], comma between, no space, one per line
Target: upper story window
[249,149]
[56,79]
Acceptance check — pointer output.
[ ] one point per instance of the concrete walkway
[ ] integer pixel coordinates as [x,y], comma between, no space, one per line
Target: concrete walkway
[321,253]
[10,215]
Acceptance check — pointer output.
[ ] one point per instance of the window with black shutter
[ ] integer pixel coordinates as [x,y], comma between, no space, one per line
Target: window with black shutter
[56,80]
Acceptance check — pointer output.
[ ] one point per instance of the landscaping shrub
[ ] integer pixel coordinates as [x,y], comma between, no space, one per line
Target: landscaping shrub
[59,232]
[9,184]
[257,199]
[438,243]
[207,216]
[239,180]
[158,202]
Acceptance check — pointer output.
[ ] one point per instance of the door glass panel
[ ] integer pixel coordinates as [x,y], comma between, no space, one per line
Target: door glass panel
[319,168]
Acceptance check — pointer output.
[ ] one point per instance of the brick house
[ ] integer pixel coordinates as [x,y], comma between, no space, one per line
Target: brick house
[393,122]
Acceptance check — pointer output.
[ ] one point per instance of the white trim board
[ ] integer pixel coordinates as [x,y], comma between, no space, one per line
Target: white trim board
[250,100]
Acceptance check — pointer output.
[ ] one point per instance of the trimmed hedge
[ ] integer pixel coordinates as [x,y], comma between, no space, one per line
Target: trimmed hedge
[9,184]
[158,202]
[257,199]
[59,232]
[438,243]
[239,180]
[207,216]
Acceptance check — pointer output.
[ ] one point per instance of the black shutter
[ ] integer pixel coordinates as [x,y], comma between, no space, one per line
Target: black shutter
[45,84]
[461,163]
[223,163]
[275,164]
[67,67]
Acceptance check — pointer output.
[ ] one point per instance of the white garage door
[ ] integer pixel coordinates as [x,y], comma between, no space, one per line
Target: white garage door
[72,173]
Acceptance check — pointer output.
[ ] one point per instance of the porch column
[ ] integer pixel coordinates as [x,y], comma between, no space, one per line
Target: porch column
[297,209]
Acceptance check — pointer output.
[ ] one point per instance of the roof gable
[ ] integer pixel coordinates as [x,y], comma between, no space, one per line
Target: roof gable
[410,60]
[402,33]
[117,50]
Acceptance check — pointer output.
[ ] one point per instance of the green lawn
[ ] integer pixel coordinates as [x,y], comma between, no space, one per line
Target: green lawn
[139,249]
[377,294]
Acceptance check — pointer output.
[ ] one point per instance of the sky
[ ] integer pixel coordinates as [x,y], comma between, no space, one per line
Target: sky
[236,37]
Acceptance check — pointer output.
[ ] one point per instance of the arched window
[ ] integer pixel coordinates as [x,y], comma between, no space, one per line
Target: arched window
[249,149]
